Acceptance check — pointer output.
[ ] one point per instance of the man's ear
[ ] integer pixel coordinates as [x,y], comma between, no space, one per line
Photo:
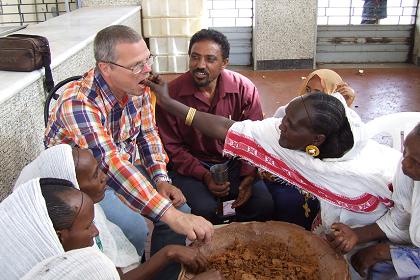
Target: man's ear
[225,63]
[319,139]
[105,68]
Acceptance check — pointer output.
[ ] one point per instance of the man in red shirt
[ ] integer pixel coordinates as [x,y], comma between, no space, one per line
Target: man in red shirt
[209,87]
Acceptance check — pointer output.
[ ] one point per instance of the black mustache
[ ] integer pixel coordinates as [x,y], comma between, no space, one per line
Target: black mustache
[200,70]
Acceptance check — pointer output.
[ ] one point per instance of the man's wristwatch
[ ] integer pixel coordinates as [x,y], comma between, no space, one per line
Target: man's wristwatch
[163,178]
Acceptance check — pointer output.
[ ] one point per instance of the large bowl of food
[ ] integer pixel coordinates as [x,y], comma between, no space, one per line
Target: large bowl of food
[270,250]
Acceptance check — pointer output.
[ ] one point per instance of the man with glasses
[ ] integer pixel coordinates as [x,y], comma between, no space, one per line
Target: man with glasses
[209,87]
[109,112]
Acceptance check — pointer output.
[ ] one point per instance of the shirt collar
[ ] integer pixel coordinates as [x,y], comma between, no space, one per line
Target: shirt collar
[106,92]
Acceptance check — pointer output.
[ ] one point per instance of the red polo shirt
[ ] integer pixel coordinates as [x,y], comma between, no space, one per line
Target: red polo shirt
[236,97]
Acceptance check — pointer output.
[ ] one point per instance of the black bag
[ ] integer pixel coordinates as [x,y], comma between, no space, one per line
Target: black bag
[26,53]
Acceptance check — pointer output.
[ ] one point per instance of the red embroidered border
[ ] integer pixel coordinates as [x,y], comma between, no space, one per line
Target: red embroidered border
[239,145]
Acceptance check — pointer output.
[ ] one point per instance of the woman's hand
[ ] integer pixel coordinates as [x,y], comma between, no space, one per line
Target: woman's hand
[347,92]
[159,87]
[191,258]
[342,238]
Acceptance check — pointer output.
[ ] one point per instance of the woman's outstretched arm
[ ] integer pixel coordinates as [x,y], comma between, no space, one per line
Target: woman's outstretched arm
[211,125]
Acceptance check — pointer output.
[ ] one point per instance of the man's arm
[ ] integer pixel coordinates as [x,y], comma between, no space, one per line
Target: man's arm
[153,156]
[396,221]
[83,120]
[343,238]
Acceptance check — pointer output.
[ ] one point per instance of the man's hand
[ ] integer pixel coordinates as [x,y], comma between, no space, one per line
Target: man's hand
[245,191]
[194,227]
[209,275]
[216,189]
[171,192]
[347,92]
[342,238]
[369,256]
[192,258]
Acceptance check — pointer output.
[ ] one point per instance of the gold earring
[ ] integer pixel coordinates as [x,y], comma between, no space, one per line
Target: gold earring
[312,150]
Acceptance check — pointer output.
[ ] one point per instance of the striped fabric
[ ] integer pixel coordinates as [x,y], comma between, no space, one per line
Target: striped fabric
[88,115]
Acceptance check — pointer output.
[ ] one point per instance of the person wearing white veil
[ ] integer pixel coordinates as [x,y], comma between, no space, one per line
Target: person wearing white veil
[29,235]
[400,225]
[59,162]
[88,262]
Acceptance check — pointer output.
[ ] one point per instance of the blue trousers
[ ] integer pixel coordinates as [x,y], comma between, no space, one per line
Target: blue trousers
[203,203]
[135,228]
[289,204]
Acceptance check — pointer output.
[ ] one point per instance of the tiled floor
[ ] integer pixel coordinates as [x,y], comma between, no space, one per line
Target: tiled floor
[379,91]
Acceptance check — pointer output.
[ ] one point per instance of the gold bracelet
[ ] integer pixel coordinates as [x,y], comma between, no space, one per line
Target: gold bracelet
[190,116]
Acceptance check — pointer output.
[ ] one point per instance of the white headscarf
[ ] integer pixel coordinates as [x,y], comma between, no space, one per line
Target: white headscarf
[26,231]
[86,263]
[57,162]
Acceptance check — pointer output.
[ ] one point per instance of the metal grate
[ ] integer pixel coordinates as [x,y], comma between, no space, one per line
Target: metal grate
[13,12]
[349,12]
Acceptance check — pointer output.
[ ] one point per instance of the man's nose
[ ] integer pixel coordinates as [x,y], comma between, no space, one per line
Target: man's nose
[201,63]
[147,68]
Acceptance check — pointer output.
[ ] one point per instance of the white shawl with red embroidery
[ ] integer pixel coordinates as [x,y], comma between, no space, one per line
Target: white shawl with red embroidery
[354,189]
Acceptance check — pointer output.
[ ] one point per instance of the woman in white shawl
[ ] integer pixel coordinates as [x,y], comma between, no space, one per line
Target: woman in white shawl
[58,162]
[312,147]
[28,233]
[400,225]
[43,218]
[80,167]
[291,204]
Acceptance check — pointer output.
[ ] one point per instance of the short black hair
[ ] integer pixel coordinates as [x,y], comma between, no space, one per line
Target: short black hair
[328,117]
[54,192]
[211,35]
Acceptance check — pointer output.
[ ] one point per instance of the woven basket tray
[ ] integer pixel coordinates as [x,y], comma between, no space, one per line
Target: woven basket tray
[298,241]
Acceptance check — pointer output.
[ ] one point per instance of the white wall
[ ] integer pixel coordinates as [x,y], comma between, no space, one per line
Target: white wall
[21,116]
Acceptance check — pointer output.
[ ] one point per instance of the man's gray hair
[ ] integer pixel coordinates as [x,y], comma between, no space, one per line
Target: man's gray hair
[106,40]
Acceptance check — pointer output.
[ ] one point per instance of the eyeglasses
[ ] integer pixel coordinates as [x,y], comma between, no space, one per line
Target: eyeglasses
[138,68]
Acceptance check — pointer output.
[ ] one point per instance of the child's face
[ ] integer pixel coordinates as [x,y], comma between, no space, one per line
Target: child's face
[411,157]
